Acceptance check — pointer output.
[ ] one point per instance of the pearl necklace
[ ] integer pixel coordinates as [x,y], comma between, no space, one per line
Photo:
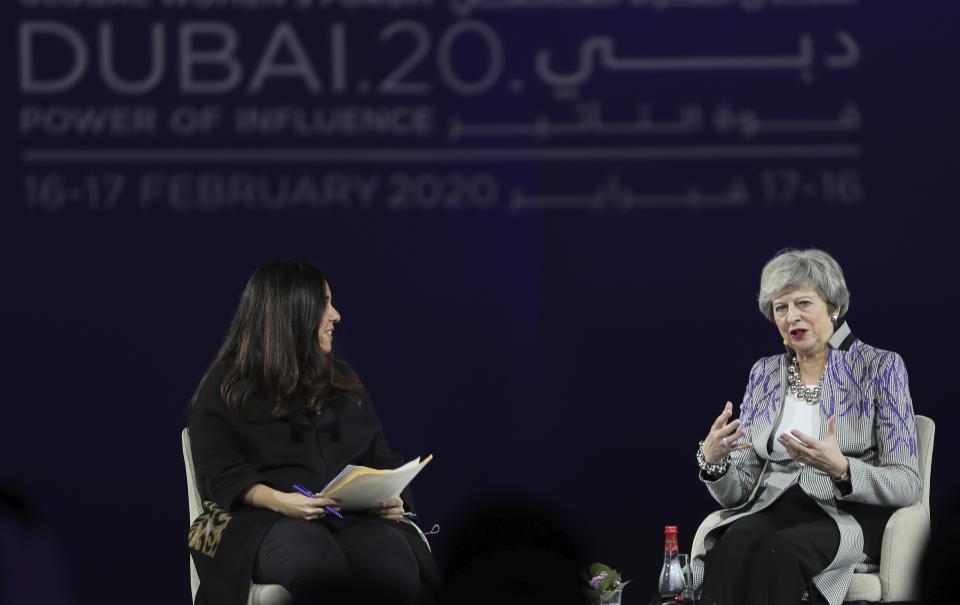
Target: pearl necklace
[809,395]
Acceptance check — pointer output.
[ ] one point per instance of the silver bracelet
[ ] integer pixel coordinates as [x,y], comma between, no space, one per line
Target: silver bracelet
[714,470]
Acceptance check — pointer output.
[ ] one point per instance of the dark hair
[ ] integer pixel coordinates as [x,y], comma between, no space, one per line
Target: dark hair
[272,349]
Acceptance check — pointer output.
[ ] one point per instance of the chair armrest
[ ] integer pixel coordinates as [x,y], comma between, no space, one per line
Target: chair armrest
[904,543]
[712,520]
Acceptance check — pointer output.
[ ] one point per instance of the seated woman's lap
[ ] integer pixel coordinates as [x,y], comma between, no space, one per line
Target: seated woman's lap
[313,558]
[771,556]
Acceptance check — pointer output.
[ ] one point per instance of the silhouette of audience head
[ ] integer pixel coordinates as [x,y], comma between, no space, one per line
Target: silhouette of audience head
[513,552]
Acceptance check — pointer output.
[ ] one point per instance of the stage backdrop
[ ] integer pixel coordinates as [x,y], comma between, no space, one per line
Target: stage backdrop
[544,222]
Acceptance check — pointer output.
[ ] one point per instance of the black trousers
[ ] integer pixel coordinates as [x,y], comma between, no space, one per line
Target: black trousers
[360,559]
[771,556]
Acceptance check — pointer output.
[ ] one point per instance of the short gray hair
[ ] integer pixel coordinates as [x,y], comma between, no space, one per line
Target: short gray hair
[791,269]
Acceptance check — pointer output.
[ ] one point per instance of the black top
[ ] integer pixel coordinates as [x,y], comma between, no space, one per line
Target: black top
[232,452]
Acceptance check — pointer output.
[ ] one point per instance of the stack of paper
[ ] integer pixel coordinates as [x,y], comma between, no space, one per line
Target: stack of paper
[361,487]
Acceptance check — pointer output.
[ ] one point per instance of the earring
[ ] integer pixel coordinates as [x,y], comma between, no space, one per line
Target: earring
[836,317]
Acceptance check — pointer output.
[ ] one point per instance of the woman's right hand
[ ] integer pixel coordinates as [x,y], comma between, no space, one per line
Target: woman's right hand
[291,504]
[723,436]
[298,506]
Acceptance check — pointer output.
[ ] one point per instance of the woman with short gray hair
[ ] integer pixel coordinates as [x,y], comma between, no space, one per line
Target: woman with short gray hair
[827,429]
[812,268]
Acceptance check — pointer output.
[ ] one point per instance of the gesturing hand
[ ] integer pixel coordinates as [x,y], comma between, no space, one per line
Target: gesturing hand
[824,455]
[723,437]
[391,510]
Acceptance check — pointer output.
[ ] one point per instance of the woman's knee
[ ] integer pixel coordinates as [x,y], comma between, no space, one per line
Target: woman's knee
[300,557]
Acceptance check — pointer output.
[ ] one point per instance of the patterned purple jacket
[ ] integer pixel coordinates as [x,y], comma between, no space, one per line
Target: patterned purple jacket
[868,390]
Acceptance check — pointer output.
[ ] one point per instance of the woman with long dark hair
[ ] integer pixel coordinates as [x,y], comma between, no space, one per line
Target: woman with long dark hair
[276,410]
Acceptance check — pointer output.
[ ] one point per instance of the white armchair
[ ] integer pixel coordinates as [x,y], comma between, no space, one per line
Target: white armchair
[260,594]
[904,538]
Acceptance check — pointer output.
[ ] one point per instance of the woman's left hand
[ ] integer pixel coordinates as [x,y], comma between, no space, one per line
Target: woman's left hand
[391,510]
[824,455]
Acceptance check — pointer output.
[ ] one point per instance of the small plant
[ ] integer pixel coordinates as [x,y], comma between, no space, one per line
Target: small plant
[605,584]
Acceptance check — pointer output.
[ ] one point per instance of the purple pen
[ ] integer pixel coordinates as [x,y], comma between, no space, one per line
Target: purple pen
[310,494]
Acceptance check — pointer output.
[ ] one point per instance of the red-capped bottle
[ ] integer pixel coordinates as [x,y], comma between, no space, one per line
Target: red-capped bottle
[671,574]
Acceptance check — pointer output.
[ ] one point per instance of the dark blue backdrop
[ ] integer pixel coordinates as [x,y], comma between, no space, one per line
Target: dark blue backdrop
[575,356]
